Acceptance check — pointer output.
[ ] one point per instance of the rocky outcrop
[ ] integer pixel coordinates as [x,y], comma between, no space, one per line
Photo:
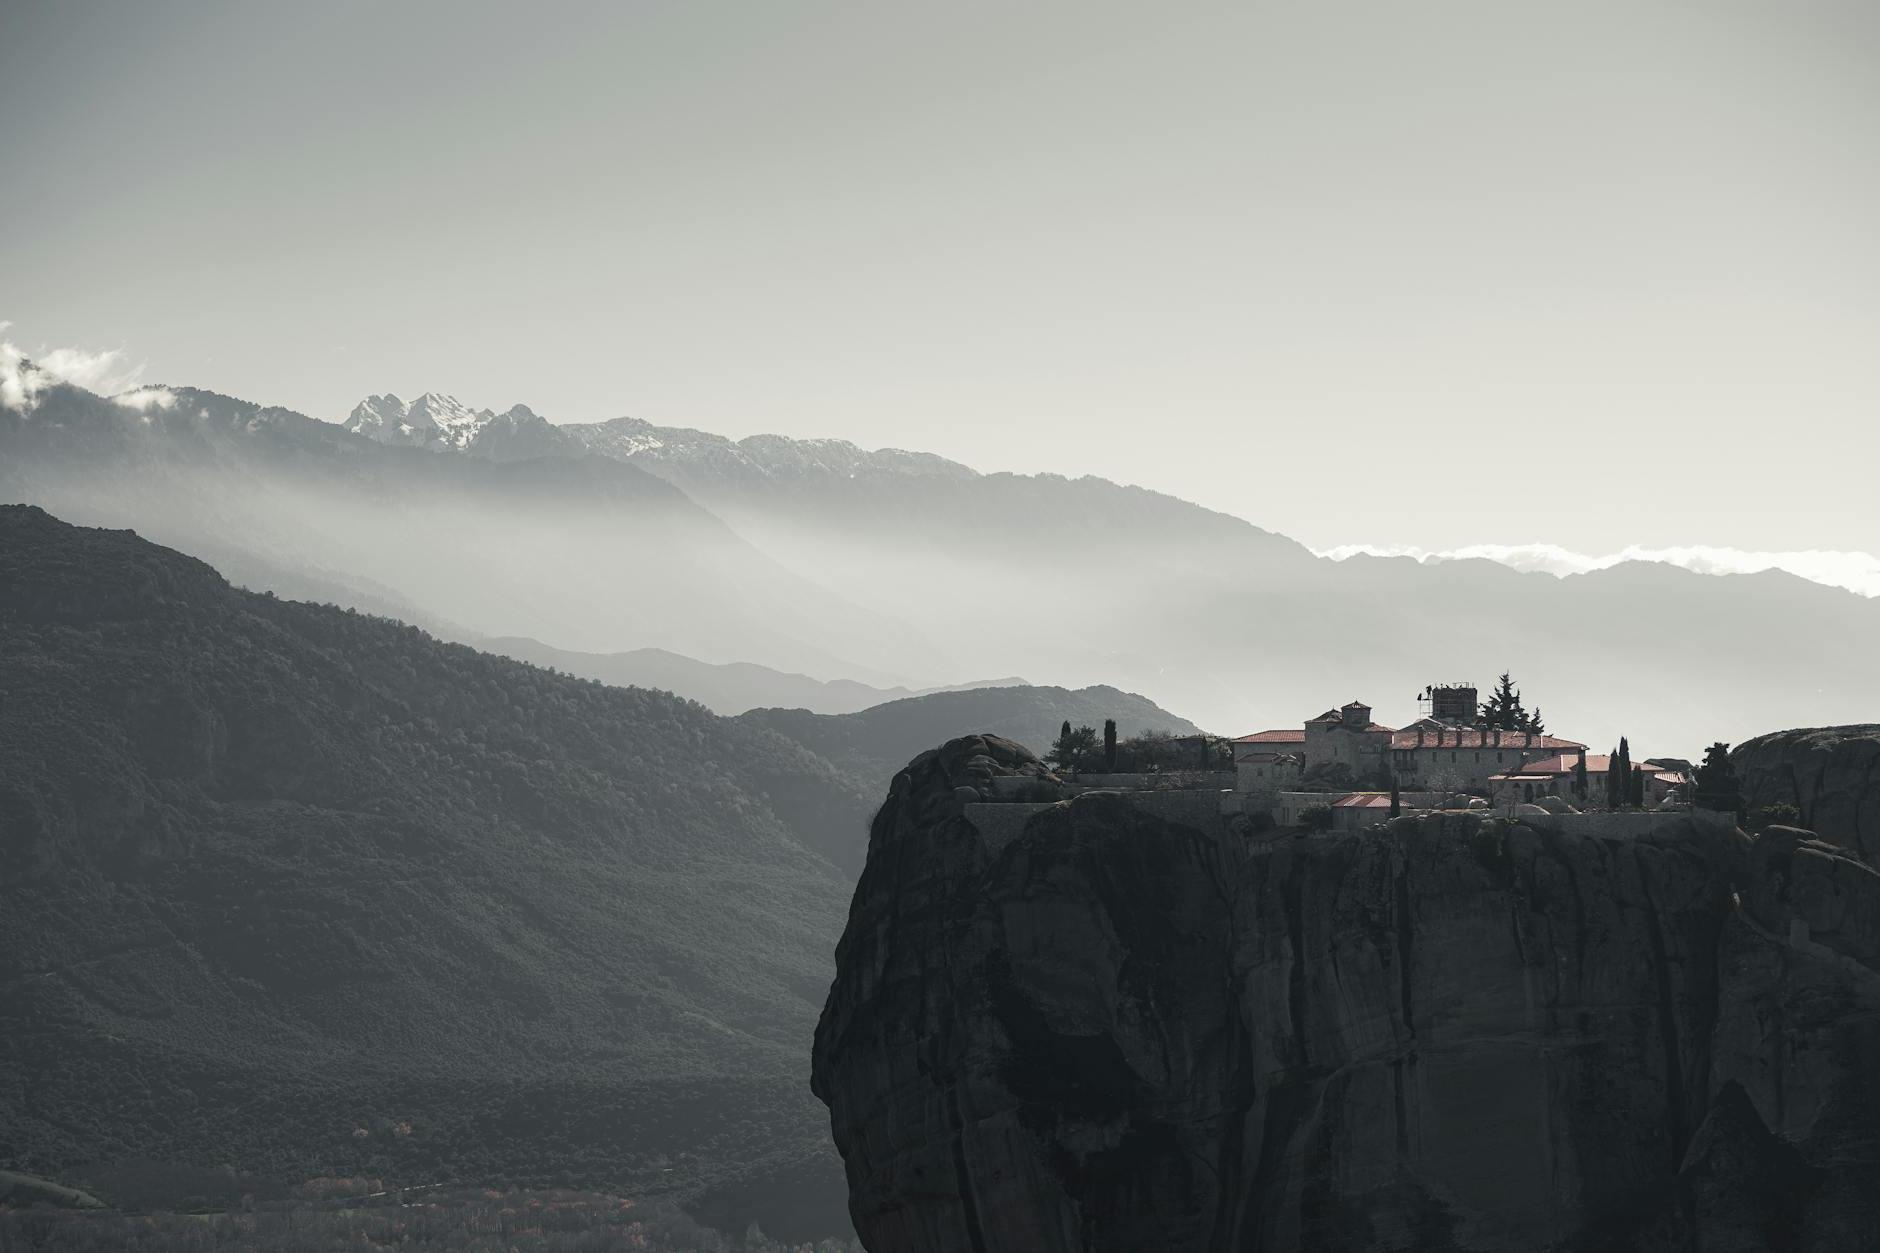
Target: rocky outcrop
[1115,1032]
[1831,775]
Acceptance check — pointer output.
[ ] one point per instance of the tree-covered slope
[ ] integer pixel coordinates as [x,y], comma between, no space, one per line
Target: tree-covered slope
[872,744]
[724,687]
[306,892]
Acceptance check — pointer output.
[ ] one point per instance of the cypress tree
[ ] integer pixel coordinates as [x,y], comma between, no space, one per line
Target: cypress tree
[1579,778]
[1062,750]
[1638,786]
[1109,745]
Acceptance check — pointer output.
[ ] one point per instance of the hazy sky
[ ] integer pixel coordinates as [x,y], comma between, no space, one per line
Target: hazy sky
[1587,274]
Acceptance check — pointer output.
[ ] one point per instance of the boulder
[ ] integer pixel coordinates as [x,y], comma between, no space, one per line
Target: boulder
[1830,774]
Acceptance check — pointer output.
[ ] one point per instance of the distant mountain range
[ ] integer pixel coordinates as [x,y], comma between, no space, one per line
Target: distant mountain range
[729,688]
[307,892]
[590,553]
[445,423]
[1080,581]
[900,569]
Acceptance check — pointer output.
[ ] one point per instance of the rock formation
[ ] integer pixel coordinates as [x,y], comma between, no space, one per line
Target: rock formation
[1115,1032]
[1830,774]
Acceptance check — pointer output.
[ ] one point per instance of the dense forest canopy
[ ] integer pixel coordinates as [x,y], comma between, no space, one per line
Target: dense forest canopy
[313,893]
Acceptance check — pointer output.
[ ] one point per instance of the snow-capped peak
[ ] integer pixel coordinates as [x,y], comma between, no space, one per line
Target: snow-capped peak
[432,420]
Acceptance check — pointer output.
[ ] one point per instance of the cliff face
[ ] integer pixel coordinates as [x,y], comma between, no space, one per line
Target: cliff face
[1830,774]
[1116,1033]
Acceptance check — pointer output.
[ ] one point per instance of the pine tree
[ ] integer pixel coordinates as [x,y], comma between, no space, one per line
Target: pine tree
[1109,745]
[1502,710]
[1534,722]
[1717,786]
[1074,750]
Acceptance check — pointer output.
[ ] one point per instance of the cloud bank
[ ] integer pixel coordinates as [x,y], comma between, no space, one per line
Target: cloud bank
[23,377]
[1855,571]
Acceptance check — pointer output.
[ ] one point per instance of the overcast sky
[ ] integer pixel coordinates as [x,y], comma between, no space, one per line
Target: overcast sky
[1588,274]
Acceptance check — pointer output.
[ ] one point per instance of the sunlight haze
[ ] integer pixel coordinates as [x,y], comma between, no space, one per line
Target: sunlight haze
[1310,265]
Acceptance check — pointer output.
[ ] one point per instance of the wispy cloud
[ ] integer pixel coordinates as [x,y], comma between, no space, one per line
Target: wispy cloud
[144,399]
[1855,571]
[24,376]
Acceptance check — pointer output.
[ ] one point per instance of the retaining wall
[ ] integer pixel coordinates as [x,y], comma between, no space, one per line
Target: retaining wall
[1626,825]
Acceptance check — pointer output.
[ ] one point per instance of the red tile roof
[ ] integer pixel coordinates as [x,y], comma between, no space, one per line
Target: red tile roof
[1596,763]
[1363,800]
[1563,764]
[1290,735]
[1474,737]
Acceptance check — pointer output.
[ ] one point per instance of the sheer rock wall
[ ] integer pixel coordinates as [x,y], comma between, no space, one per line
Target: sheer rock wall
[1120,1033]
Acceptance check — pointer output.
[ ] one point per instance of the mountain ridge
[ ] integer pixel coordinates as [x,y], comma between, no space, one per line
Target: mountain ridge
[310,892]
[496,547]
[727,688]
[793,557]
[286,879]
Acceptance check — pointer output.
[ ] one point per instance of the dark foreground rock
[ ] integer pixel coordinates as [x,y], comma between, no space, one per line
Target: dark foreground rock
[1116,1032]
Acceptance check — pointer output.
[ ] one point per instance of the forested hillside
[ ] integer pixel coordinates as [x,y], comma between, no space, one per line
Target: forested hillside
[726,688]
[874,743]
[307,893]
